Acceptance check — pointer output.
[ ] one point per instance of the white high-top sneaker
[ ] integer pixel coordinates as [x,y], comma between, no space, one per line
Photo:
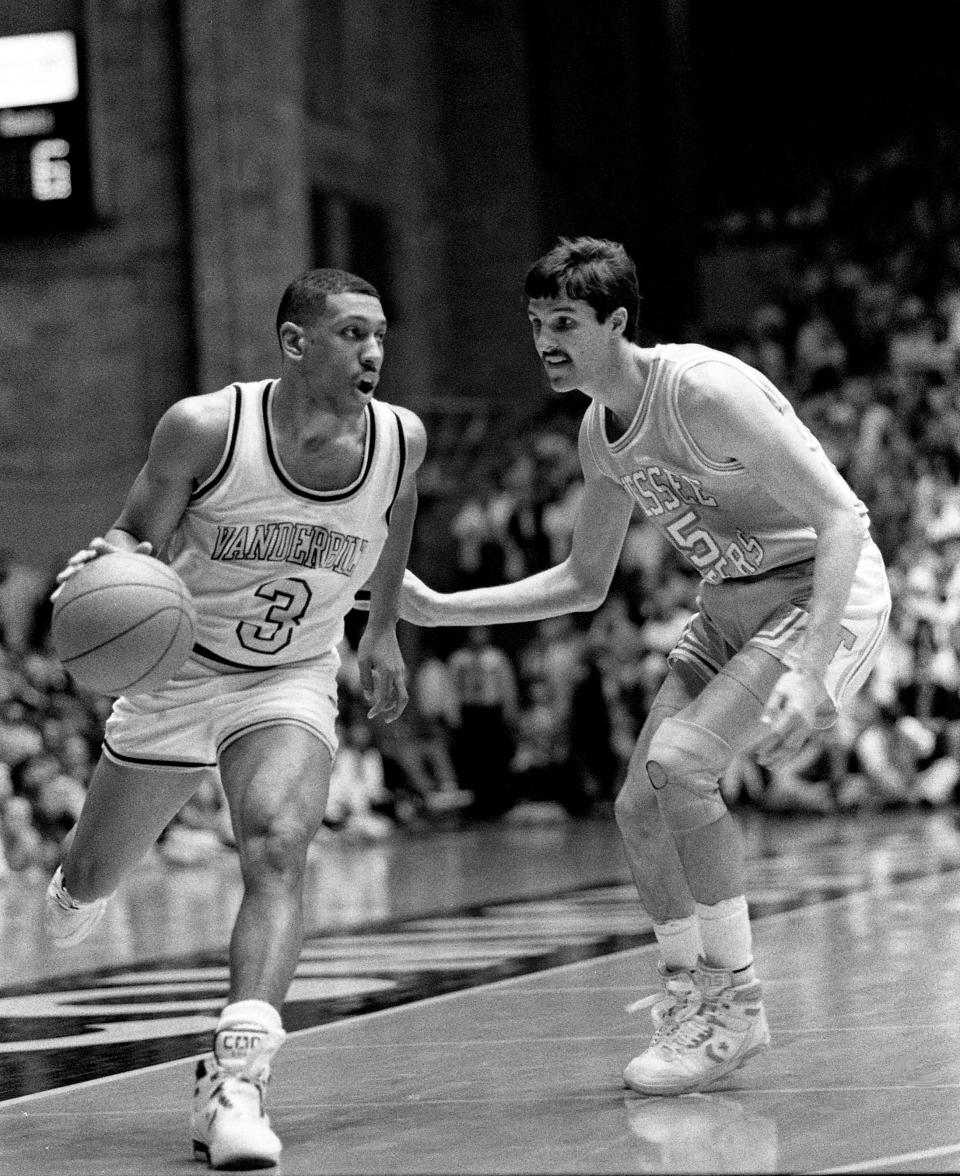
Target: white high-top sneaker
[728,1027]
[66,920]
[230,1127]
[679,998]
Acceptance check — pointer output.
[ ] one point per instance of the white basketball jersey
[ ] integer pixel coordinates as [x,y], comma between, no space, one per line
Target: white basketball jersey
[273,566]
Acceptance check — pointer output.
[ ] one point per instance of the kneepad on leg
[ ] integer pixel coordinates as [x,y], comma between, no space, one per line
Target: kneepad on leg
[685,765]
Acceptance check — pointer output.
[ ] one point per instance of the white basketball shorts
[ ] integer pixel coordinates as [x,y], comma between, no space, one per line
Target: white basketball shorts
[187,723]
[769,611]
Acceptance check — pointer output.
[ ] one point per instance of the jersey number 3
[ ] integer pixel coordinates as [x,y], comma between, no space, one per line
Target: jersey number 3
[290,598]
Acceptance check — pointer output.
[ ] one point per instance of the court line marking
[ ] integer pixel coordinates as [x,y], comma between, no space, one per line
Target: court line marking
[506,982]
[889,1161]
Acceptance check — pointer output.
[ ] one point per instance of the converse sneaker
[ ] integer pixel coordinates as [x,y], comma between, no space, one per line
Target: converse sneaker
[230,1127]
[678,999]
[727,1028]
[65,920]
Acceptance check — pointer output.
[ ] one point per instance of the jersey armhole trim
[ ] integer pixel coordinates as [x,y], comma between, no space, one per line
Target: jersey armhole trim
[720,467]
[402,447]
[229,449]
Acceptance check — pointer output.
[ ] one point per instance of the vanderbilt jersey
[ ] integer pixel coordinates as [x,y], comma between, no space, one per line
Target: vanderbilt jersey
[273,566]
[713,512]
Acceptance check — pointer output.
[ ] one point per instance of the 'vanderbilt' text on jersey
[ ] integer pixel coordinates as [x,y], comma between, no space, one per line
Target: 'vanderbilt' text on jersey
[713,512]
[273,566]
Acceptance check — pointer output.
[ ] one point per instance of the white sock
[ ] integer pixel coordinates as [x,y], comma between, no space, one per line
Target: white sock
[248,1034]
[725,933]
[679,942]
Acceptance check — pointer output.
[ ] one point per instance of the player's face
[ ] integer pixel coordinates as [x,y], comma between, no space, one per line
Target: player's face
[572,343]
[341,353]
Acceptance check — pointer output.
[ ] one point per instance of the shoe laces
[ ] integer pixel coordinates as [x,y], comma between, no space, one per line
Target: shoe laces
[644,1003]
[64,900]
[243,1091]
[676,1004]
[671,1000]
[690,1032]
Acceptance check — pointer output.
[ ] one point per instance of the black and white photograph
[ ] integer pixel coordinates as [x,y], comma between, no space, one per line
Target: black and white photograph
[479,587]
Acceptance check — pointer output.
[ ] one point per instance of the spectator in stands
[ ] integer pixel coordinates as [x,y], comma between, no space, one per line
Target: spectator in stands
[599,746]
[359,805]
[479,530]
[485,690]
[435,715]
[23,845]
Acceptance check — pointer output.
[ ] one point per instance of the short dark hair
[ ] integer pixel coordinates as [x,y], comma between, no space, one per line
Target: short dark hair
[592,270]
[306,297]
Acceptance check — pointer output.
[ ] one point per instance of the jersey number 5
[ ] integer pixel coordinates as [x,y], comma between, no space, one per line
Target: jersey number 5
[694,541]
[290,597]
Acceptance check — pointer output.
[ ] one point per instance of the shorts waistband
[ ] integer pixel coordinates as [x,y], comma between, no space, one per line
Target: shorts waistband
[790,571]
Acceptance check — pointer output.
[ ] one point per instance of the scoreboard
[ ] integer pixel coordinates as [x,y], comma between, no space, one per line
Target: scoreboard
[44,141]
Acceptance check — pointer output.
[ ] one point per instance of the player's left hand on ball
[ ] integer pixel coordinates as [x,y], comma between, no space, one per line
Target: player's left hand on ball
[95,548]
[788,718]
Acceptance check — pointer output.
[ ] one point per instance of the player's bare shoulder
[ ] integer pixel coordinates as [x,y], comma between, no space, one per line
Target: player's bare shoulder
[719,391]
[192,433]
[718,401]
[707,385]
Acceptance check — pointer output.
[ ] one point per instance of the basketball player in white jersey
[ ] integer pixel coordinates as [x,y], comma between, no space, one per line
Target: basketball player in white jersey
[276,501]
[792,609]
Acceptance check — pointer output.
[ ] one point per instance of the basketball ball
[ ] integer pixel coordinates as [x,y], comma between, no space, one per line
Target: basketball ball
[123,624]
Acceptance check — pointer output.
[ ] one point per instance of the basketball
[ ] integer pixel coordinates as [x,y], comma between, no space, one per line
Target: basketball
[123,624]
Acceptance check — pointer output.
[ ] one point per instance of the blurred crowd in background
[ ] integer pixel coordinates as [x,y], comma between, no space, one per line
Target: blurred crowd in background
[537,722]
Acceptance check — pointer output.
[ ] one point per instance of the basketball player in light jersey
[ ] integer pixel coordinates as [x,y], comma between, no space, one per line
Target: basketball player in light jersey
[792,610]
[276,501]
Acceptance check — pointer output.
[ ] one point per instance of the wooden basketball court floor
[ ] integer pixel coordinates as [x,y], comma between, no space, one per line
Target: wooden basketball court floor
[460,1006]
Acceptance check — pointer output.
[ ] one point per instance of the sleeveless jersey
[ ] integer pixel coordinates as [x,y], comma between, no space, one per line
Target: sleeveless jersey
[713,512]
[273,566]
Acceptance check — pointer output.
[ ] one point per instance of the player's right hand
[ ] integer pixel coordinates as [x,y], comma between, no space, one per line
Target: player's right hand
[96,547]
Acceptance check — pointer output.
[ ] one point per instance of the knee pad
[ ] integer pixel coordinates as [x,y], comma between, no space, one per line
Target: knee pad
[685,765]
[636,809]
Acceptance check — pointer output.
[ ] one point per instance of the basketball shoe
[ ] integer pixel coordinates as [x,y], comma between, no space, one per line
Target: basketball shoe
[728,1027]
[66,920]
[678,999]
[230,1127]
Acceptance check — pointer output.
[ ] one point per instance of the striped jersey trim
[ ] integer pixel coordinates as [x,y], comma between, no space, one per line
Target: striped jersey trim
[402,448]
[729,466]
[262,724]
[791,623]
[303,491]
[218,659]
[138,761]
[209,655]
[233,432]
[635,427]
[869,654]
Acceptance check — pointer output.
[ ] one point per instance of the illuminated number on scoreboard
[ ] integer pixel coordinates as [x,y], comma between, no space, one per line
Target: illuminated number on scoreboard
[50,176]
[45,177]
[290,597]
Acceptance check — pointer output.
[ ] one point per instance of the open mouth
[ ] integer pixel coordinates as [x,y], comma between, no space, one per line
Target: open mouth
[367,384]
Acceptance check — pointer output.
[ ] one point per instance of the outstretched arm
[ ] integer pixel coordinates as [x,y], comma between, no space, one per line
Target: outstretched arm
[578,584]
